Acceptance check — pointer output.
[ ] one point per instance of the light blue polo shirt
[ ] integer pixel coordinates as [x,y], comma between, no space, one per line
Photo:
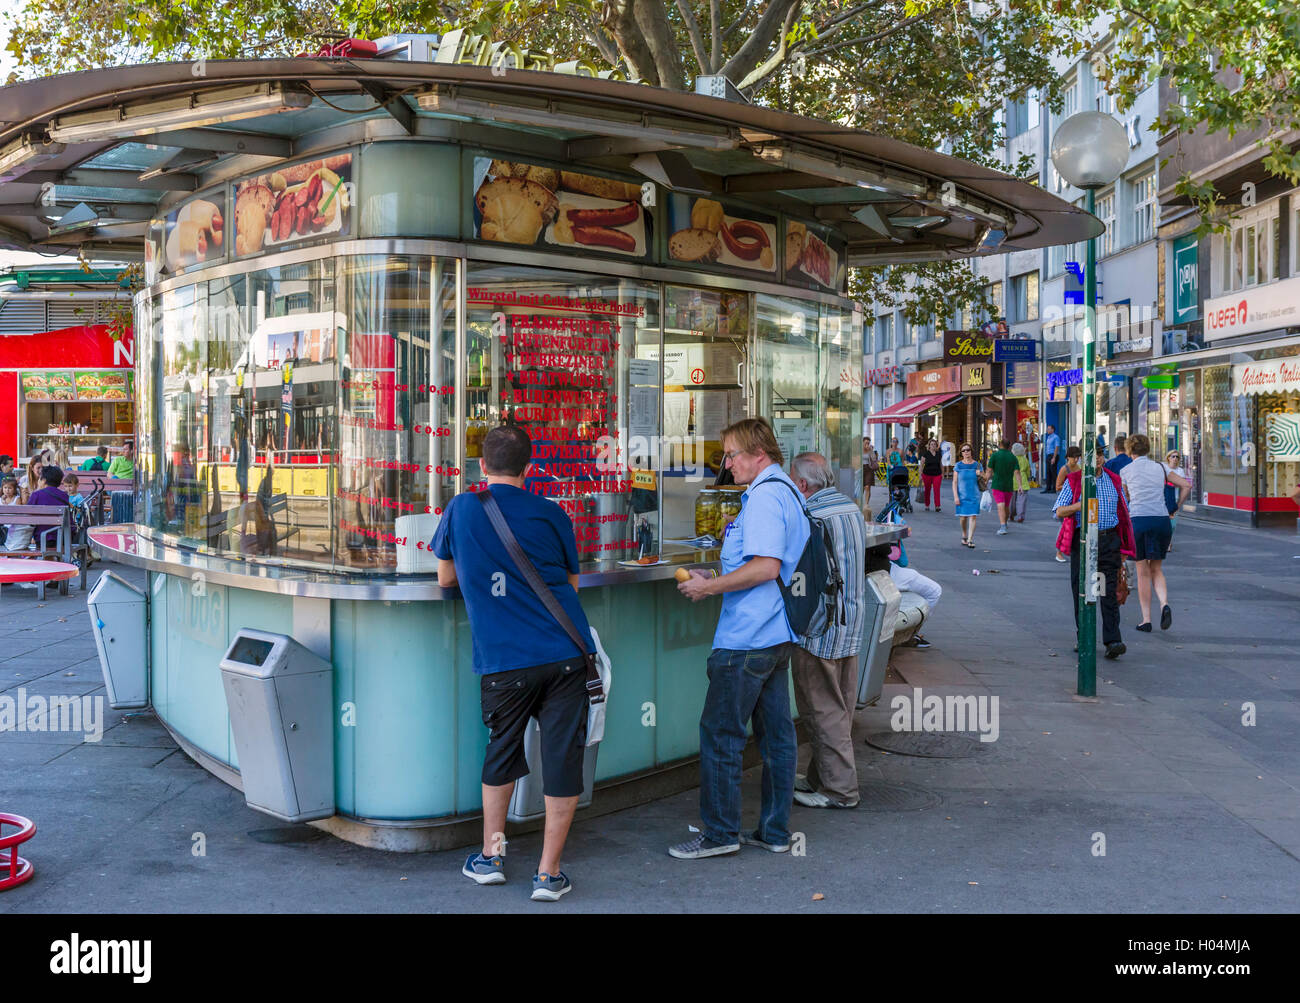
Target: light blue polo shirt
[771,524]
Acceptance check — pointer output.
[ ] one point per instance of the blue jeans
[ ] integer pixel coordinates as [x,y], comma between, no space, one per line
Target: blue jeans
[744,685]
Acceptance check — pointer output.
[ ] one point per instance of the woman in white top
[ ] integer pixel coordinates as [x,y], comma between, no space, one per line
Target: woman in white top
[1144,483]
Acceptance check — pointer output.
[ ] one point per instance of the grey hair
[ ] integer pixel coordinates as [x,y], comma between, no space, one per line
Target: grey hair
[813,468]
[1018,448]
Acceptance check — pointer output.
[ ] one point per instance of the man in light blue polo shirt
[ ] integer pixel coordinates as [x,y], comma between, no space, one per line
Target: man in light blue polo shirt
[1051,458]
[749,665]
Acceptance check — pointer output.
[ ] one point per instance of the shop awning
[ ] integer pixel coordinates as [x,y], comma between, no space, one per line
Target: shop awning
[905,410]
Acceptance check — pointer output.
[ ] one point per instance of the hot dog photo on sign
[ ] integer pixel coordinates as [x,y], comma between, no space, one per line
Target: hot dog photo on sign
[520,203]
[704,231]
[810,257]
[293,203]
[194,233]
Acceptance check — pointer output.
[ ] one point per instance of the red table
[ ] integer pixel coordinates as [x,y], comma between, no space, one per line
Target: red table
[18,569]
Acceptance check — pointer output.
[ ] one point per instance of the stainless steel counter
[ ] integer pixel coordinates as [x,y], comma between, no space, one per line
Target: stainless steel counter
[128,546]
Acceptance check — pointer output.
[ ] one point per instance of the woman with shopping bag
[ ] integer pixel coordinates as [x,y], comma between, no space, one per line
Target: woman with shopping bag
[967,486]
[1021,481]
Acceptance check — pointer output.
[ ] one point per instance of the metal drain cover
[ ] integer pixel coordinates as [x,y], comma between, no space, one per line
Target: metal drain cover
[931,745]
[876,795]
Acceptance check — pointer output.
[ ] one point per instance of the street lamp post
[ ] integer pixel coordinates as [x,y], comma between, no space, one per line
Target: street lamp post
[1089,150]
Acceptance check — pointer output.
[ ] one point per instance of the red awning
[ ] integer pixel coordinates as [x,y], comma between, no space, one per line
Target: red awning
[904,411]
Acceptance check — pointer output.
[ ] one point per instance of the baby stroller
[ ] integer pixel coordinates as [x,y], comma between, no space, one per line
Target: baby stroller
[898,491]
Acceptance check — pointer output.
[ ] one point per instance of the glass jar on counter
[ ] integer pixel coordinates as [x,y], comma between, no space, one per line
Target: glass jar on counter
[707,511]
[729,507]
[475,432]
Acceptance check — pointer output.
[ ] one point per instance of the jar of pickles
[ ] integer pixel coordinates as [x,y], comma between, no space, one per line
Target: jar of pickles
[729,508]
[707,510]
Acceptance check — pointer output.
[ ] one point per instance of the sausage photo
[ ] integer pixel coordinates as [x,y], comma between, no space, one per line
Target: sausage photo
[621,216]
[603,236]
[748,249]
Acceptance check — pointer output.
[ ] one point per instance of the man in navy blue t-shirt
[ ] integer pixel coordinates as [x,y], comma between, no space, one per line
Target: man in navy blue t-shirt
[528,666]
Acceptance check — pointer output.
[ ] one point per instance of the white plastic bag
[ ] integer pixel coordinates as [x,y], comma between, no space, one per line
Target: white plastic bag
[596,711]
[986,502]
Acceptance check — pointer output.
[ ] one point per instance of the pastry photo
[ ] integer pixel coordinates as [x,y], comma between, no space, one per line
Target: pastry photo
[195,233]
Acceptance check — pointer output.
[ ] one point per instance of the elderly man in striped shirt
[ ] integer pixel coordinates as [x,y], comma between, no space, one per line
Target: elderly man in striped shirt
[826,661]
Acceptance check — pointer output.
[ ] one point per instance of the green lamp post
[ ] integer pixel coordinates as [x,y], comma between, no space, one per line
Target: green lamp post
[1089,150]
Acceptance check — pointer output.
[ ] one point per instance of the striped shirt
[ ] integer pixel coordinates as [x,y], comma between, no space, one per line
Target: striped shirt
[849,535]
[1107,502]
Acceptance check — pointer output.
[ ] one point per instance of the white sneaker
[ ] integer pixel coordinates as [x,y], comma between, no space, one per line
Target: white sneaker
[1002,531]
[1061,558]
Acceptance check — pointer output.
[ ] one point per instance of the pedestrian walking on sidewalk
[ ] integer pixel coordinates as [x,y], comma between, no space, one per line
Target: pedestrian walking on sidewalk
[826,661]
[932,475]
[870,464]
[1052,458]
[1022,480]
[1121,459]
[1175,497]
[1004,465]
[1144,481]
[1114,543]
[966,490]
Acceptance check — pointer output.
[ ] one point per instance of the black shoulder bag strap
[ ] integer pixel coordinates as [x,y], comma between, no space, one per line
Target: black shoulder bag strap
[595,687]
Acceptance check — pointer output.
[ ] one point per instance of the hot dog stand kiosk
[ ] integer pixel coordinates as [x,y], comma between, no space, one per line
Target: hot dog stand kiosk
[355,267]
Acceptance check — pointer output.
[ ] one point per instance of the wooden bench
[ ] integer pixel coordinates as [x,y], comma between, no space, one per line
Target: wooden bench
[43,518]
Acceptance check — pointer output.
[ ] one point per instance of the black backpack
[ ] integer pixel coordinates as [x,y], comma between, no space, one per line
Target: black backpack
[816,582]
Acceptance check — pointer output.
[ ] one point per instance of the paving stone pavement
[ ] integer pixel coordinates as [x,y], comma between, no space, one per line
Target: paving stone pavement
[1199,812]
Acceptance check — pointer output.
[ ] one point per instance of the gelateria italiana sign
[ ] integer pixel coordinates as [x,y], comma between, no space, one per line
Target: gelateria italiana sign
[1279,376]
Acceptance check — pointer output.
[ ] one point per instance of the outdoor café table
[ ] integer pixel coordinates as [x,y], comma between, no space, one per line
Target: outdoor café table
[19,569]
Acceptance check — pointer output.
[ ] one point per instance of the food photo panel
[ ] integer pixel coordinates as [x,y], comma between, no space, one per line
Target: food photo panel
[703,231]
[194,233]
[520,203]
[293,204]
[813,256]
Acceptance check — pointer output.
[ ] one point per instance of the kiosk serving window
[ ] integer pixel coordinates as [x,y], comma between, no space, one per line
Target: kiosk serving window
[566,356]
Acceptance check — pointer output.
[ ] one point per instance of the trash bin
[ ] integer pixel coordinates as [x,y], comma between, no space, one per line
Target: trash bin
[528,802]
[280,696]
[881,598]
[119,617]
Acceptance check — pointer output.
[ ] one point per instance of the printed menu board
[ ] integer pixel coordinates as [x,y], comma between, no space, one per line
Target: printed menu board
[520,203]
[705,232]
[813,256]
[105,385]
[560,348]
[49,386]
[291,204]
[193,233]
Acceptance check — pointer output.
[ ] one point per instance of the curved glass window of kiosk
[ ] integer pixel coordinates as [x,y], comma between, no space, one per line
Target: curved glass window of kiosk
[303,411]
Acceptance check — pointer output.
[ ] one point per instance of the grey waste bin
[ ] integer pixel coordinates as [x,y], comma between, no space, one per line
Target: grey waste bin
[280,696]
[881,598]
[119,617]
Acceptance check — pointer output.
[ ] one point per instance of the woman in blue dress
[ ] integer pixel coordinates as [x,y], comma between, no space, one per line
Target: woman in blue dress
[966,492]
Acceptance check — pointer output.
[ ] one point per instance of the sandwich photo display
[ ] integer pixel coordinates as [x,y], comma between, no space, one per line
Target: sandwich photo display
[519,203]
[705,232]
[194,233]
[293,204]
[809,257]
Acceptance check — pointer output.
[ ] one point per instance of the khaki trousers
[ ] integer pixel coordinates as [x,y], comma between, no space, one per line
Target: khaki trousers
[825,691]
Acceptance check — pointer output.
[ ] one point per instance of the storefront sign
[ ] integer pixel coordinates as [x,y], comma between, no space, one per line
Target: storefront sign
[966,346]
[1022,379]
[1161,381]
[977,379]
[284,207]
[888,374]
[1187,283]
[934,381]
[1261,309]
[1065,378]
[1277,377]
[1010,350]
[705,232]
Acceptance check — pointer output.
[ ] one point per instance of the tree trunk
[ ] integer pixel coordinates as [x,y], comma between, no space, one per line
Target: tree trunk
[641,30]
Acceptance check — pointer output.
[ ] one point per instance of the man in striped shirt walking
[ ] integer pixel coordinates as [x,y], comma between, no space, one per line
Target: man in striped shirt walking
[826,661]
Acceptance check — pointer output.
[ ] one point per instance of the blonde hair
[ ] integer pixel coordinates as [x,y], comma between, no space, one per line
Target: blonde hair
[754,435]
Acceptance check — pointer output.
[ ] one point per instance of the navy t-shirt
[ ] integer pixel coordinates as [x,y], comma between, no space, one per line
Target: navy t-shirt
[510,626]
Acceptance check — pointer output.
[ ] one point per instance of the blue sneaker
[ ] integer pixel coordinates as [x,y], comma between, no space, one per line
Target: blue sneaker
[549,887]
[485,870]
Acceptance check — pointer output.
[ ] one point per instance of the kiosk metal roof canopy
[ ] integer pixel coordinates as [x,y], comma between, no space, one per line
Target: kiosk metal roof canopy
[87,159]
